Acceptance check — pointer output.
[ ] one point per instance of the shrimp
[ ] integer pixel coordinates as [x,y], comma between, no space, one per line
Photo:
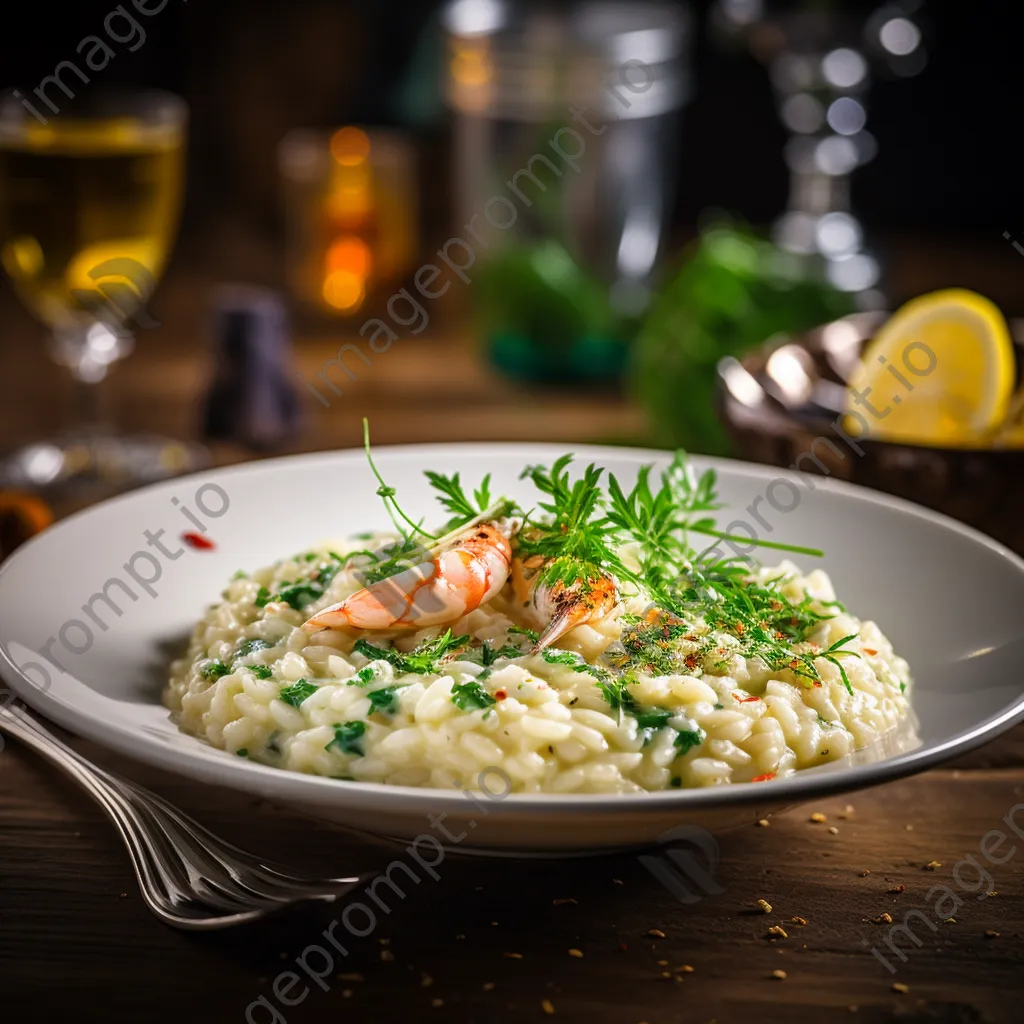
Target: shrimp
[465,574]
[562,606]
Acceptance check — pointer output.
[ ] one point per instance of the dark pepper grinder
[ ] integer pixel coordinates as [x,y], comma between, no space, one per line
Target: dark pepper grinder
[251,400]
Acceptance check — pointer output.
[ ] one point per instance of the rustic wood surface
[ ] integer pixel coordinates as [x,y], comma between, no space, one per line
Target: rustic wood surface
[76,942]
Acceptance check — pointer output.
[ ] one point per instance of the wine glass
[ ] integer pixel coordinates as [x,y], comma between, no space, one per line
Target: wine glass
[821,55]
[89,205]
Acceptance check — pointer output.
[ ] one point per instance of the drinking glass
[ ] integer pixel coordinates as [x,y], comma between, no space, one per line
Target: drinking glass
[89,205]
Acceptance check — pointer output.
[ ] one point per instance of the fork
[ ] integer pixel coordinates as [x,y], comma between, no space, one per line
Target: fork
[189,877]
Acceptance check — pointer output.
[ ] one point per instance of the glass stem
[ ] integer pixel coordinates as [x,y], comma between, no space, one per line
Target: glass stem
[88,353]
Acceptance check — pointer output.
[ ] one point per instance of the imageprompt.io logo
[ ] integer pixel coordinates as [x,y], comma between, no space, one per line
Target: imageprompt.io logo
[123,287]
[685,863]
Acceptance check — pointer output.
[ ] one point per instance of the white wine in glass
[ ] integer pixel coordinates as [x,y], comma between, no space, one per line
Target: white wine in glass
[89,206]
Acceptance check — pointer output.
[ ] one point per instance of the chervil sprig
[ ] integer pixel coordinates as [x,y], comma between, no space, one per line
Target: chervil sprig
[453,498]
[388,493]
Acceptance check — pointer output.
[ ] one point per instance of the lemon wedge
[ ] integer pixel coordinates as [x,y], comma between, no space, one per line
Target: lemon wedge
[940,372]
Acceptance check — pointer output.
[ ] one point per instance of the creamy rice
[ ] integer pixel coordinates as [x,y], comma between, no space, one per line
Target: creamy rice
[546,723]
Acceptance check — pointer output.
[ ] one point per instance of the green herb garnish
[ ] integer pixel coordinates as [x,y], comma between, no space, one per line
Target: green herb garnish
[454,500]
[297,692]
[348,738]
[650,720]
[249,646]
[687,739]
[573,661]
[530,634]
[214,670]
[486,654]
[384,699]
[262,597]
[261,671]
[833,655]
[301,594]
[422,660]
[471,696]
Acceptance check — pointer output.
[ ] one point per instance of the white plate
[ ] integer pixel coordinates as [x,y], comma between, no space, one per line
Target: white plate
[949,599]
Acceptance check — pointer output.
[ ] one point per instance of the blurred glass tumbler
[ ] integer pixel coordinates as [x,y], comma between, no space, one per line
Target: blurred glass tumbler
[350,214]
[251,400]
[566,133]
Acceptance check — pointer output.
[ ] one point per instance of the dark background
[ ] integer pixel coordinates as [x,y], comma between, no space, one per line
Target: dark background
[948,139]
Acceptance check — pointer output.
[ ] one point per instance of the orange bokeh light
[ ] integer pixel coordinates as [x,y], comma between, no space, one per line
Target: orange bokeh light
[350,146]
[471,66]
[347,265]
[349,253]
[344,290]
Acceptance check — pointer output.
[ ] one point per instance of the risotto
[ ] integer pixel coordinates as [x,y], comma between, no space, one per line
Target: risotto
[587,648]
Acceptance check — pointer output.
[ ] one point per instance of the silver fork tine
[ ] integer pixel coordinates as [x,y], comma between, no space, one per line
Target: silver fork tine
[189,877]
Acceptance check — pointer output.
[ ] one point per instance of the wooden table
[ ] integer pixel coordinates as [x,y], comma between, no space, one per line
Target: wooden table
[490,940]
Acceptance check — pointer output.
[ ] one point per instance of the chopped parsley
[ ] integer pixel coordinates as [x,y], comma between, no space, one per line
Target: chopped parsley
[262,597]
[301,594]
[471,696]
[615,693]
[487,654]
[650,720]
[384,699]
[574,661]
[242,752]
[261,671]
[530,634]
[348,738]
[250,646]
[214,670]
[297,692]
[687,739]
[328,571]
[422,660]
[363,676]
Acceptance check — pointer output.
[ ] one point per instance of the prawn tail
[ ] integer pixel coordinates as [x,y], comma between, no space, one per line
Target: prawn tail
[568,618]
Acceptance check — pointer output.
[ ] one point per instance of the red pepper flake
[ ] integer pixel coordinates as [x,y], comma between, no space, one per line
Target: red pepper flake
[764,778]
[744,700]
[869,650]
[500,694]
[198,541]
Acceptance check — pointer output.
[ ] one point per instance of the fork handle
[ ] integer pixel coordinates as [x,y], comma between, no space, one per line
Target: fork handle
[110,791]
[188,877]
